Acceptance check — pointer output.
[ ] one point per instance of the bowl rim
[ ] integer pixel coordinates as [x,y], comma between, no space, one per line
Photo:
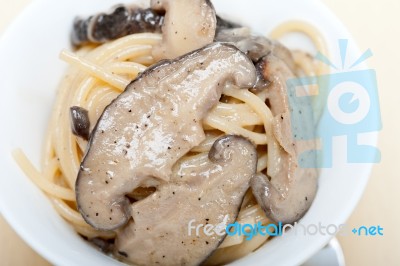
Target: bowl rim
[42,249]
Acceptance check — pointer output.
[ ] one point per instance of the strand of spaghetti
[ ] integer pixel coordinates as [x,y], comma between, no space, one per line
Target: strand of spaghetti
[246,220]
[62,93]
[67,163]
[225,255]
[67,212]
[84,89]
[252,211]
[266,115]
[127,47]
[231,241]
[304,27]
[81,144]
[50,171]
[263,95]
[246,247]
[131,53]
[145,60]
[92,233]
[254,102]
[126,67]
[305,62]
[262,162]
[109,50]
[103,57]
[231,128]
[94,69]
[237,113]
[98,100]
[130,68]
[67,149]
[48,149]
[46,185]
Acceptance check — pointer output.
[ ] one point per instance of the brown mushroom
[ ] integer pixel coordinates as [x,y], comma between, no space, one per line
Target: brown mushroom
[120,21]
[153,123]
[123,20]
[80,123]
[292,187]
[188,25]
[206,189]
[254,46]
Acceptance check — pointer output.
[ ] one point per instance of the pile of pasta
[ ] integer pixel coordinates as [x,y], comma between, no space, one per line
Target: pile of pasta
[98,74]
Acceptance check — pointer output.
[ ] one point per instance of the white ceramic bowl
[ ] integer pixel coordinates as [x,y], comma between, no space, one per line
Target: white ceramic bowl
[30,71]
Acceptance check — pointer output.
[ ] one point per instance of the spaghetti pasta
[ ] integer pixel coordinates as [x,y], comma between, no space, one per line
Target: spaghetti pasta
[99,74]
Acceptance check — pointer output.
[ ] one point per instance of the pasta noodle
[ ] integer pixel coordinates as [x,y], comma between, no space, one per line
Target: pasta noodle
[303,27]
[99,74]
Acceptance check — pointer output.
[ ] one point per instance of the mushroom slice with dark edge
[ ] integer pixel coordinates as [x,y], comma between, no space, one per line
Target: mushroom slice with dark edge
[292,188]
[121,21]
[188,25]
[124,20]
[80,123]
[153,123]
[205,189]
[254,46]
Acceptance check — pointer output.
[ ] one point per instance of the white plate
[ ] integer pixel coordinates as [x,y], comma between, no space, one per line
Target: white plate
[30,71]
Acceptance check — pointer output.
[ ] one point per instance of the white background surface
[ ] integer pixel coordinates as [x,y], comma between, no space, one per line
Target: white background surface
[374,25]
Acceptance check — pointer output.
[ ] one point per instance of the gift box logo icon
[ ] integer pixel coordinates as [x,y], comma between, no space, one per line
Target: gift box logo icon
[350,107]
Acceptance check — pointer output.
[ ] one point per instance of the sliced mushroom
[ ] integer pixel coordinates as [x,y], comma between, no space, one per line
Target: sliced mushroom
[121,21]
[253,45]
[292,188]
[80,123]
[153,123]
[124,20]
[188,25]
[203,190]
